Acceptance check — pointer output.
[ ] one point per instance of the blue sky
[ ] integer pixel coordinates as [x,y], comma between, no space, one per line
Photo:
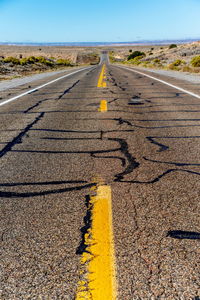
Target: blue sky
[98,21]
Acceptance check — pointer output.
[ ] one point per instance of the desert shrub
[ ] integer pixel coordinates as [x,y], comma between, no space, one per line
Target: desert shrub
[31,60]
[135,54]
[43,60]
[156,60]
[145,63]
[12,60]
[150,53]
[23,61]
[179,62]
[172,46]
[136,60]
[28,60]
[130,50]
[63,62]
[187,69]
[176,65]
[195,61]
[152,49]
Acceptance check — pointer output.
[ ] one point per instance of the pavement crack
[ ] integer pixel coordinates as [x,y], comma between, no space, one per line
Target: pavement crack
[123,121]
[180,234]
[68,89]
[159,177]
[162,147]
[43,193]
[85,230]
[131,161]
[19,137]
[35,105]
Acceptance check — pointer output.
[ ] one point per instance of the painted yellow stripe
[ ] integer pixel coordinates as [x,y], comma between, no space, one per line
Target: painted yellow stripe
[103,106]
[102,77]
[98,262]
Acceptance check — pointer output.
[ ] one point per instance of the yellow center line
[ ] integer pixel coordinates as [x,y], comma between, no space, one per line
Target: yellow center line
[102,77]
[98,274]
[103,106]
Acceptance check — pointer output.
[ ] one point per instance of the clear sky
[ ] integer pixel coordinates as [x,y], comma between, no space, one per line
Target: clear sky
[98,21]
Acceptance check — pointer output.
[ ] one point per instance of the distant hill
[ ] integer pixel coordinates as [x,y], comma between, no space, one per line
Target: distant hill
[99,44]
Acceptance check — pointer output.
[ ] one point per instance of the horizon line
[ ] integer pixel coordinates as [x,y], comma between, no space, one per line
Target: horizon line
[180,40]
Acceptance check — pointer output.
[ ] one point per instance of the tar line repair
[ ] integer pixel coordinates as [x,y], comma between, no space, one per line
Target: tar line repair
[98,272]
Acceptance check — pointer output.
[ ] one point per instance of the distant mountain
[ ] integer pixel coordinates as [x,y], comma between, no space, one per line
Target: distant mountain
[98,44]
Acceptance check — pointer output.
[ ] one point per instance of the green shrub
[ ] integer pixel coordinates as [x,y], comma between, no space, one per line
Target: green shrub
[12,60]
[195,61]
[63,62]
[179,62]
[156,60]
[23,61]
[172,46]
[43,60]
[145,63]
[31,60]
[28,60]
[176,65]
[135,54]
[136,60]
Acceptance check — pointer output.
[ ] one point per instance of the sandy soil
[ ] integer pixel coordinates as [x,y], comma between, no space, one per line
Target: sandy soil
[162,57]
[76,56]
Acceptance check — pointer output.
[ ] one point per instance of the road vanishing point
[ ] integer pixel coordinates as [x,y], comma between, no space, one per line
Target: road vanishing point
[99,188]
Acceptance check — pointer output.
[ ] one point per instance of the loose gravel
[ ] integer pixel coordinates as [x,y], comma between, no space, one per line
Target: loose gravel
[193,78]
[8,84]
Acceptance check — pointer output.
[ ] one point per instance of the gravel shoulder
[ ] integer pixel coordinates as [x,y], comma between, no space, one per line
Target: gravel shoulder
[193,78]
[9,84]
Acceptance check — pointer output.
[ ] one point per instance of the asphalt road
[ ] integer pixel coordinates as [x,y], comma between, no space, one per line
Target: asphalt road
[55,144]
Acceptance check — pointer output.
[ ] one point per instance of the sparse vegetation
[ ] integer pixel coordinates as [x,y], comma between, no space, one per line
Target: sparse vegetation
[26,60]
[156,60]
[172,46]
[161,57]
[176,65]
[136,54]
[63,62]
[195,61]
[13,60]
[136,60]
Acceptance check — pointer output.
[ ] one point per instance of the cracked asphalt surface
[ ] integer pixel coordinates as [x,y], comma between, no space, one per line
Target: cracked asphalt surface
[54,141]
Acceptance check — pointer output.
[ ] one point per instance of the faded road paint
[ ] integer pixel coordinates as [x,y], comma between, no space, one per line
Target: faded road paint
[98,275]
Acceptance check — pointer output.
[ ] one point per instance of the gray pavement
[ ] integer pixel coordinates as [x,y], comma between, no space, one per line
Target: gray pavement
[54,141]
